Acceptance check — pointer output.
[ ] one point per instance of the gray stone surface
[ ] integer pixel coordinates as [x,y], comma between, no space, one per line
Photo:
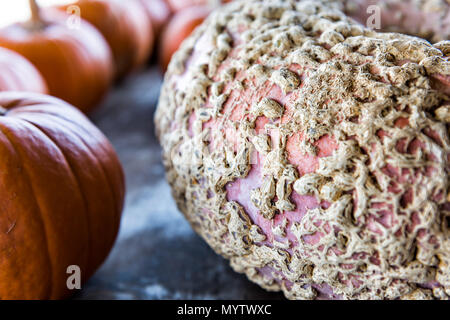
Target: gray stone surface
[157,255]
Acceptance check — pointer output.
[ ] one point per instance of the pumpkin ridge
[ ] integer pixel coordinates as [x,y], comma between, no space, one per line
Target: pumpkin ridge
[50,111]
[39,210]
[110,184]
[85,204]
[115,197]
[81,54]
[56,44]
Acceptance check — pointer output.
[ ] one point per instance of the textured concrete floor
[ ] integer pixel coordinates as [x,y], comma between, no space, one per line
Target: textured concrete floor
[157,255]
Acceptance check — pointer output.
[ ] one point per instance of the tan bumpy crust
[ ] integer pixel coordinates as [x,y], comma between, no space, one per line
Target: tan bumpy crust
[270,86]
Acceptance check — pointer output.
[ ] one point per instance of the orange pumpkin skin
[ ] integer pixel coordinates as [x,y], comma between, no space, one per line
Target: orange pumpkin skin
[62,192]
[158,12]
[125,26]
[18,74]
[179,28]
[177,5]
[76,63]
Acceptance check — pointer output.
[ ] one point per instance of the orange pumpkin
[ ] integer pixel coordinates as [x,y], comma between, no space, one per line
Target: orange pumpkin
[158,12]
[125,26]
[62,192]
[177,5]
[18,74]
[179,28]
[75,62]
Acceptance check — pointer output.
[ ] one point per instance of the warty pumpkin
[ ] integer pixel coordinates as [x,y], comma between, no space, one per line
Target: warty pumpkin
[18,74]
[125,26]
[62,189]
[75,62]
[313,152]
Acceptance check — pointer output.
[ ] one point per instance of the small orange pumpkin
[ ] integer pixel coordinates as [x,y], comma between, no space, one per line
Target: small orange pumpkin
[179,28]
[75,62]
[125,26]
[62,189]
[18,74]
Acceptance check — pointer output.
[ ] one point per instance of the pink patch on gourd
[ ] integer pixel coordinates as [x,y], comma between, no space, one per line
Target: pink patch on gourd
[307,163]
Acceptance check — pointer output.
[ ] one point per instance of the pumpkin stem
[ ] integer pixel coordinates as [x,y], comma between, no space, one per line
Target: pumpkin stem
[36,21]
[35,11]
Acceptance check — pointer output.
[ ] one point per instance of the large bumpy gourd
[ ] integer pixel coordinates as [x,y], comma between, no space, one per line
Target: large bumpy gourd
[313,152]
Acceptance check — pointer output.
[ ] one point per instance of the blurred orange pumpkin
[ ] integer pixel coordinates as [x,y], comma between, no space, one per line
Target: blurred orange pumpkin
[177,5]
[62,189]
[75,61]
[125,26]
[179,28]
[18,74]
[158,12]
